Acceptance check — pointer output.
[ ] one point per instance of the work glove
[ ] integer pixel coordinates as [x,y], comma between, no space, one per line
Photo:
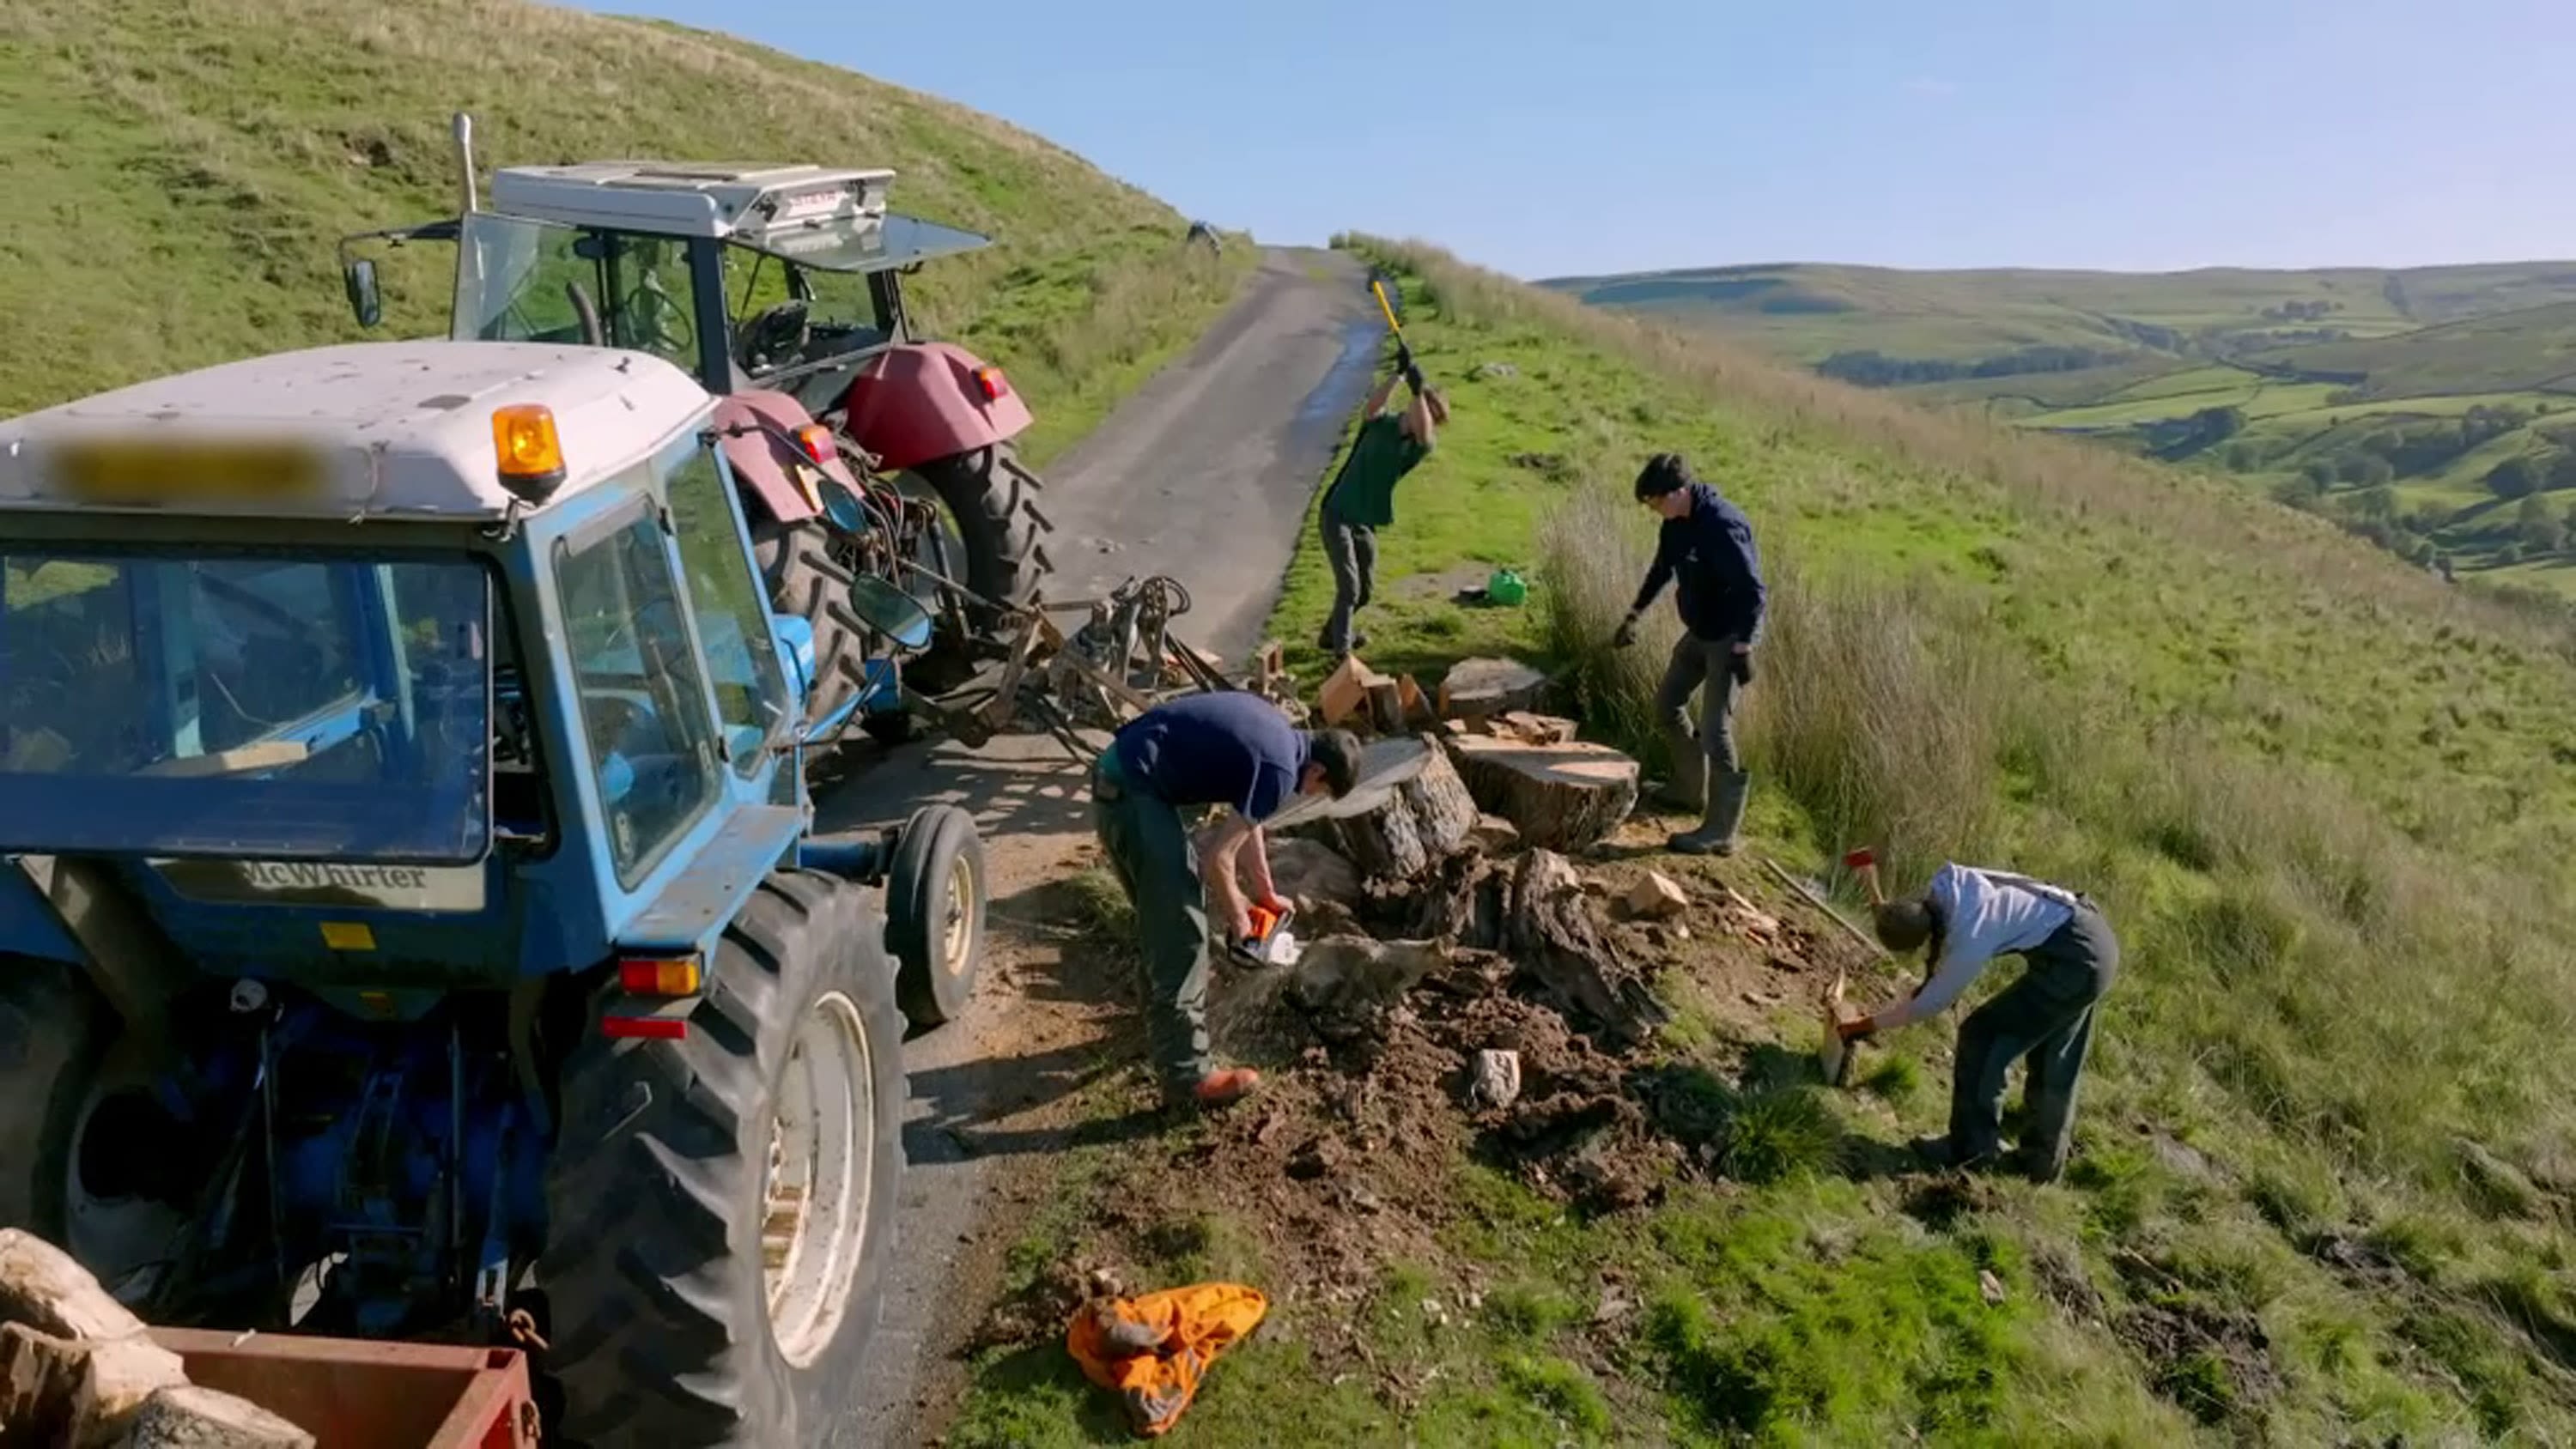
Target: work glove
[1627,634]
[1403,358]
[1413,379]
[1741,666]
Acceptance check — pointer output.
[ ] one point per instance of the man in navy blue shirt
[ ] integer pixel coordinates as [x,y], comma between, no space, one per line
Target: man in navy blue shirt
[1222,747]
[1706,544]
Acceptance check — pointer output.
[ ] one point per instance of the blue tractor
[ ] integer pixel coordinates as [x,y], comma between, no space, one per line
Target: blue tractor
[410,920]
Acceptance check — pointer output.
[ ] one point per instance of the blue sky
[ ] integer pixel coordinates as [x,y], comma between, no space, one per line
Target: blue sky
[1545,139]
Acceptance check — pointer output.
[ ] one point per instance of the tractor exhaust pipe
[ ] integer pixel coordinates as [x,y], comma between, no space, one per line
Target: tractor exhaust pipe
[461,126]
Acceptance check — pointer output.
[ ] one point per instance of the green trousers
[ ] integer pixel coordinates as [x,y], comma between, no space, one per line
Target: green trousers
[2045,1021]
[1149,848]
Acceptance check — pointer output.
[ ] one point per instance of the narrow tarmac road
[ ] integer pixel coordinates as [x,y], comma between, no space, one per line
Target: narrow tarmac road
[1203,475]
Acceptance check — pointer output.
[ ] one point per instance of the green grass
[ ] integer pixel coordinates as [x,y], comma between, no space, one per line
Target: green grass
[2327,1149]
[178,179]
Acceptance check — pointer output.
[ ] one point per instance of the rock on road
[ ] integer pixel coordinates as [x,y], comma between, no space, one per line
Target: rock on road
[1204,474]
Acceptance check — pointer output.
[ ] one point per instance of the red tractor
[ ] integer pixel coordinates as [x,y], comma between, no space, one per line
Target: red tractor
[862,452]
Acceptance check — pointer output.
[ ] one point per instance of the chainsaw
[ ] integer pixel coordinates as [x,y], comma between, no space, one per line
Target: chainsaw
[1270,943]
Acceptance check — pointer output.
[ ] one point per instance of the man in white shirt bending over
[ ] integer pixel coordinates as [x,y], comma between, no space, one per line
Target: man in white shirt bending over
[1966,918]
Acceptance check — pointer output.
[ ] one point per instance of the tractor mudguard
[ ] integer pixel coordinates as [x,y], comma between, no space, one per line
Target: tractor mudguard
[758,429]
[926,400]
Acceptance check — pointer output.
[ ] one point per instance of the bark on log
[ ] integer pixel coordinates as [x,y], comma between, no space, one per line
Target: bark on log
[1477,688]
[1409,813]
[1554,941]
[1562,797]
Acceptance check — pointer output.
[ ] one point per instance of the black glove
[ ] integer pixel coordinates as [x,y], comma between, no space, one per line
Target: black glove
[1403,358]
[1741,666]
[1413,379]
[1627,634]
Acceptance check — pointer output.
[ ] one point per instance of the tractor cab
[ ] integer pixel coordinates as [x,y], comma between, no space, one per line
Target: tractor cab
[348,658]
[747,276]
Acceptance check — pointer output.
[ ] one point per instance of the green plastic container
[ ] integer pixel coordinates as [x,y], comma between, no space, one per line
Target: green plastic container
[1506,588]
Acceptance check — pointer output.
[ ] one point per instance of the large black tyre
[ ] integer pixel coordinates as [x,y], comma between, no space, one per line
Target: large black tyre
[661,1202]
[53,1029]
[796,563]
[935,914]
[991,500]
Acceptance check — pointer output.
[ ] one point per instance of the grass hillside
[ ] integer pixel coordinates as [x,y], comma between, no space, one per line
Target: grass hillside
[179,173]
[2421,407]
[2326,1189]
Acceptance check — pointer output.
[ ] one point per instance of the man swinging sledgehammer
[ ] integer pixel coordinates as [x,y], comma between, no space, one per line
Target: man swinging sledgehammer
[1966,918]
[1230,748]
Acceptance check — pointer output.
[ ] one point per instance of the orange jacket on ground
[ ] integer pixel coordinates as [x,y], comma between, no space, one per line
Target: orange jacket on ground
[1152,1351]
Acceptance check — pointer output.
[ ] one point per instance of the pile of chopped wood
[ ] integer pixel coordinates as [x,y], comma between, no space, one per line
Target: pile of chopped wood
[78,1369]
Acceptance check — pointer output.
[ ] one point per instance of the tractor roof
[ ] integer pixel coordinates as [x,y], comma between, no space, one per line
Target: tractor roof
[823,216]
[364,430]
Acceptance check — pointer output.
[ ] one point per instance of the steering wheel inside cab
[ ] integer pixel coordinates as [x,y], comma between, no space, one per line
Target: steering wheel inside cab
[776,337]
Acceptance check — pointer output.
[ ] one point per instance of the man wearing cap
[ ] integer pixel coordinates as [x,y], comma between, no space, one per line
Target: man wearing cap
[1222,747]
[1706,543]
[1964,919]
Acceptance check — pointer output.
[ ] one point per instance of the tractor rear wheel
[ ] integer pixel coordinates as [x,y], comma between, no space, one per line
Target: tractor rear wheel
[990,499]
[53,1030]
[935,914]
[722,1205]
[796,563]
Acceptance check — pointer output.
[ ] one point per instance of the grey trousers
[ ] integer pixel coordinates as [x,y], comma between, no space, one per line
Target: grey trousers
[1704,666]
[1352,551]
[1149,849]
[2045,1020]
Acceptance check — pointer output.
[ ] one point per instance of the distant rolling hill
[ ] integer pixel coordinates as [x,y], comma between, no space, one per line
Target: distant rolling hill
[2425,406]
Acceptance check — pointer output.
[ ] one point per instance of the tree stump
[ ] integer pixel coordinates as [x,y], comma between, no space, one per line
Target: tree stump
[1478,688]
[1554,940]
[1561,797]
[1409,813]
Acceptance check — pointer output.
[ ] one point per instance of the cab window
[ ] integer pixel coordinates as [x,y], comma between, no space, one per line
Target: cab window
[725,597]
[643,697]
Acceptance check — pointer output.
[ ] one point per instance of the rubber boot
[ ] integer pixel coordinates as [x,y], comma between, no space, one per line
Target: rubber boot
[1687,790]
[1716,834]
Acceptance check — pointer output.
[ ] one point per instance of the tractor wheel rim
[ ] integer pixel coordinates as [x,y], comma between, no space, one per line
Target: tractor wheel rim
[820,1178]
[957,941]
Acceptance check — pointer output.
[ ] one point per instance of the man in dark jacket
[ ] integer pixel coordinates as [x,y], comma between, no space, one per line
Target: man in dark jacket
[1230,748]
[1706,544]
[1361,499]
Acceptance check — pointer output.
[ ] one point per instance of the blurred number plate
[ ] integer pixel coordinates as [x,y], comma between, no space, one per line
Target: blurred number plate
[118,471]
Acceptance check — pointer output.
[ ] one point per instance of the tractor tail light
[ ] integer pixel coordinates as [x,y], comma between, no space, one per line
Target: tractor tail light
[991,383]
[659,975]
[644,1028]
[816,440]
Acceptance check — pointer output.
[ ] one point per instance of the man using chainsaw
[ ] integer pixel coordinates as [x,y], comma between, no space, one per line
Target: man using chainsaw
[1223,747]
[1707,544]
[1965,919]
[1361,499]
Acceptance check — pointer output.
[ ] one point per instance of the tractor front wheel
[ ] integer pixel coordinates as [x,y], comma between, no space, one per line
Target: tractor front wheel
[722,1205]
[935,914]
[53,1029]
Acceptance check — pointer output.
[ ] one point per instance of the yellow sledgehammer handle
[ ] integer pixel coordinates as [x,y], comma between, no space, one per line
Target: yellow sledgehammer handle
[1378,290]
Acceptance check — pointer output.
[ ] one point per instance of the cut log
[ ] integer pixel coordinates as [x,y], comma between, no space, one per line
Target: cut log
[1530,729]
[1346,691]
[1345,982]
[1307,871]
[1463,904]
[1555,942]
[1414,704]
[1409,812]
[1479,688]
[46,1289]
[1563,797]
[1386,704]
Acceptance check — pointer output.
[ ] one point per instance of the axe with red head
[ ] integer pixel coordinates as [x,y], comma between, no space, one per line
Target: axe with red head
[1864,863]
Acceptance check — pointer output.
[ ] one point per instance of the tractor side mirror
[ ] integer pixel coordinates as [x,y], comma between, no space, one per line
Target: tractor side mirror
[842,507]
[359,277]
[890,611]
